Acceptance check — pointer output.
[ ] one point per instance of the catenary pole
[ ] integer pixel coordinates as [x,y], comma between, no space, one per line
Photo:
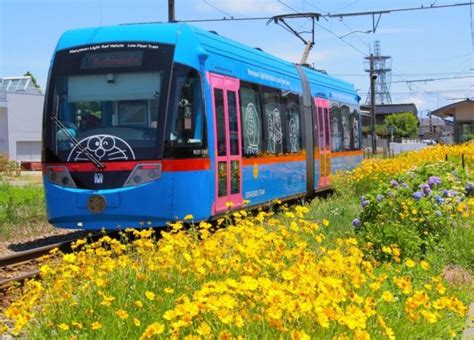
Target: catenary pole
[171,12]
[373,77]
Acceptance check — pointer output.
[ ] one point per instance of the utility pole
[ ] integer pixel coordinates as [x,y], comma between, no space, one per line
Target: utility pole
[431,126]
[171,13]
[373,78]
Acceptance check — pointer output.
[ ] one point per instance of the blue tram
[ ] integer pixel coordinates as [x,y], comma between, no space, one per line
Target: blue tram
[146,123]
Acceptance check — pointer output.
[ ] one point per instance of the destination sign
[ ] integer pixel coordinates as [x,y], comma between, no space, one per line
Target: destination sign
[111,60]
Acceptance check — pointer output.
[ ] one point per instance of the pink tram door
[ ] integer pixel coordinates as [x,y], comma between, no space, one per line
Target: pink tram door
[323,131]
[228,144]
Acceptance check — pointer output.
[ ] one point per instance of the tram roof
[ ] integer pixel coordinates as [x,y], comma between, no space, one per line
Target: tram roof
[210,42]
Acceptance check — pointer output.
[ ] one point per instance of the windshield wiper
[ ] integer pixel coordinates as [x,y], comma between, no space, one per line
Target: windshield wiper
[75,142]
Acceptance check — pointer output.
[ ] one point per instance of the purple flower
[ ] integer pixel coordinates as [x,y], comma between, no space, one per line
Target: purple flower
[469,189]
[434,180]
[405,185]
[394,183]
[356,223]
[450,193]
[425,188]
[380,198]
[439,199]
[417,195]
[364,203]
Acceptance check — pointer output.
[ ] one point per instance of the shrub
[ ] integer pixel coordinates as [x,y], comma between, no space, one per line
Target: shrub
[3,162]
[413,212]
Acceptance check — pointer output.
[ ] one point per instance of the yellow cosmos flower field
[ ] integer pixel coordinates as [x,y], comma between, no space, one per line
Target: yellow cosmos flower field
[256,278]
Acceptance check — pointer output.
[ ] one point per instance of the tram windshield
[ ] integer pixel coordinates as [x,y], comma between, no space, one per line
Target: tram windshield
[107,103]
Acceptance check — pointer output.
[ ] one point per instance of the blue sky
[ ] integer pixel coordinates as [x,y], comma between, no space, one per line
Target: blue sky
[423,44]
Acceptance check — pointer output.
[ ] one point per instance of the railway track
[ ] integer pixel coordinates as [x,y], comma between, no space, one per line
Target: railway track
[22,266]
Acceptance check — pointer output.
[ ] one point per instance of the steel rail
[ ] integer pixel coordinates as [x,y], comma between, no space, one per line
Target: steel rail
[35,253]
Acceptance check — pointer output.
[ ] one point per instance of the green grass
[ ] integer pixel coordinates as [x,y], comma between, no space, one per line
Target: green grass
[339,210]
[22,208]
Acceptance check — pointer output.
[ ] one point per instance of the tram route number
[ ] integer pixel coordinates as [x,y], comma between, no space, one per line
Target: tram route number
[254,193]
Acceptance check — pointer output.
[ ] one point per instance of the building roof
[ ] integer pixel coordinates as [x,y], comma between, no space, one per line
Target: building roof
[450,110]
[435,121]
[18,84]
[387,109]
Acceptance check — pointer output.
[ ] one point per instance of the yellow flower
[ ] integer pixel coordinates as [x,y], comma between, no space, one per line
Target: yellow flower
[299,335]
[96,325]
[77,324]
[138,303]
[100,282]
[429,316]
[168,290]
[136,322]
[63,326]
[150,295]
[325,222]
[425,265]
[122,314]
[70,258]
[440,288]
[204,329]
[387,296]
[410,263]
[387,250]
[155,328]
[288,275]
[188,217]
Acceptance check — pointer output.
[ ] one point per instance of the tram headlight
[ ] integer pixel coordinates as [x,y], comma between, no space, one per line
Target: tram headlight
[143,173]
[60,175]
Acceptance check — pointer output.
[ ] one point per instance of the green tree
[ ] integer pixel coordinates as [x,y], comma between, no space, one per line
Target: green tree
[405,124]
[33,79]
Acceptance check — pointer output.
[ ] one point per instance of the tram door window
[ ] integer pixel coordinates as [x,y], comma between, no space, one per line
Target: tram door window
[221,142]
[323,130]
[227,142]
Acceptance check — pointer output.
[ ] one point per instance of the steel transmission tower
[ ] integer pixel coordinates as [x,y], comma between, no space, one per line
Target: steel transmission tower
[383,70]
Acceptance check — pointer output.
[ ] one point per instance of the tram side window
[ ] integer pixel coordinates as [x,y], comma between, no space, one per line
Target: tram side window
[186,133]
[336,128]
[346,127]
[355,129]
[291,107]
[273,121]
[251,111]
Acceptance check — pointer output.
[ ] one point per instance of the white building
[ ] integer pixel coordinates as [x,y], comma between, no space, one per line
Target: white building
[21,109]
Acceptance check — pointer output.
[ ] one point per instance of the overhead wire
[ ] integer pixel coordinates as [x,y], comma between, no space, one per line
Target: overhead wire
[431,79]
[337,15]
[325,29]
[217,8]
